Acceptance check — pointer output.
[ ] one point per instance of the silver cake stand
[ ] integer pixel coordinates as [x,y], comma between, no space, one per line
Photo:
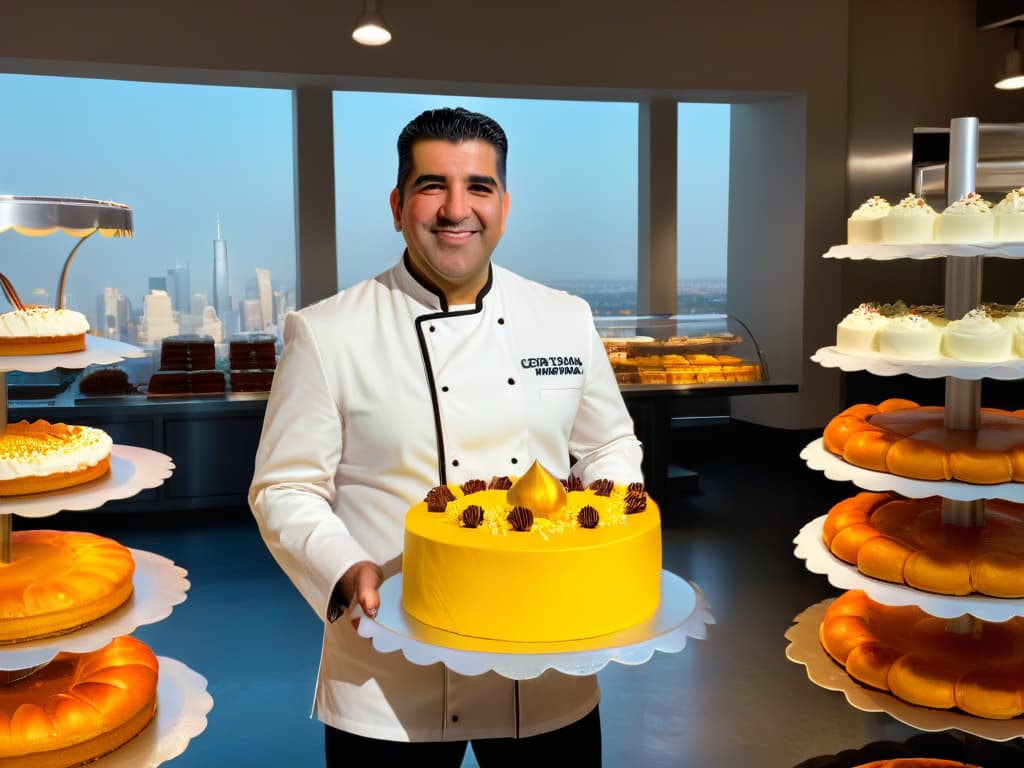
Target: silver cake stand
[682,613]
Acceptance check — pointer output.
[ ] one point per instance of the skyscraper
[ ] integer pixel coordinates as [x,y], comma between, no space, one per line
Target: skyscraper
[266,297]
[180,289]
[221,292]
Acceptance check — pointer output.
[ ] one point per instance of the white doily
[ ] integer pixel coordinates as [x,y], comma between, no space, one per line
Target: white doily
[98,351]
[158,584]
[823,460]
[805,648]
[810,546]
[892,251]
[132,469]
[879,365]
[683,613]
[182,704]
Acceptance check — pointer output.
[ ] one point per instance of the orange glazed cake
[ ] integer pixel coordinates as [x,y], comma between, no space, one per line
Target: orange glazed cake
[78,707]
[39,457]
[58,581]
[913,656]
[905,541]
[532,559]
[903,438]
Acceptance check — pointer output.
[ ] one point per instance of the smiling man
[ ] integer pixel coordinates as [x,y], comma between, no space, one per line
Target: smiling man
[443,369]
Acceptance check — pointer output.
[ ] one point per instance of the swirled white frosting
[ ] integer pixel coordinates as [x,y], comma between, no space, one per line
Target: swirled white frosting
[911,324]
[912,205]
[864,317]
[1013,202]
[40,448]
[873,208]
[36,322]
[971,204]
[977,322]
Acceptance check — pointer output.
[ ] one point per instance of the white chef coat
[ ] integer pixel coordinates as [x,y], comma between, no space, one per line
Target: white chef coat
[382,392]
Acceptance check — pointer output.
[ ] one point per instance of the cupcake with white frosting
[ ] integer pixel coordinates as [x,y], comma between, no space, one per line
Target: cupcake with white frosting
[858,331]
[865,224]
[1010,217]
[977,337]
[911,220]
[968,220]
[911,336]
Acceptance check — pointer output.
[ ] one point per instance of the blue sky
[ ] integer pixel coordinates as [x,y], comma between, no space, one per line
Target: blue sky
[179,155]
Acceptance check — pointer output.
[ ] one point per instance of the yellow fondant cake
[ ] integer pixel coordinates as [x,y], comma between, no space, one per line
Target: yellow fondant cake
[531,562]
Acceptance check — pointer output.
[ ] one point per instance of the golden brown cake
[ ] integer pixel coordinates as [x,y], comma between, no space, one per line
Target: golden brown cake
[78,707]
[905,541]
[42,331]
[905,651]
[532,560]
[39,457]
[58,581]
[903,438]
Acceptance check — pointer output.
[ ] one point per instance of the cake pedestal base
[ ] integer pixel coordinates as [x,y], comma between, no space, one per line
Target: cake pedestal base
[805,648]
[683,613]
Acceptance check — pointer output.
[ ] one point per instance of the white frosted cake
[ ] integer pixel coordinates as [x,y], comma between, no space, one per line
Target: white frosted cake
[968,220]
[865,224]
[1010,217]
[858,331]
[911,220]
[911,336]
[978,338]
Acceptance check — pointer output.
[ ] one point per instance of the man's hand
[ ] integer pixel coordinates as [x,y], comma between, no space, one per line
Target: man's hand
[360,583]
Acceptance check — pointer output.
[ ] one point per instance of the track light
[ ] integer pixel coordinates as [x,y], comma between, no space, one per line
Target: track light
[1013,73]
[371,28]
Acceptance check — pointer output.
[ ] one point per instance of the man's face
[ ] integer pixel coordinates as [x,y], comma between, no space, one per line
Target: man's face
[453,214]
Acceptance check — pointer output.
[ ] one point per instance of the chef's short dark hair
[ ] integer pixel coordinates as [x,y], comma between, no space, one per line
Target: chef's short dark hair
[453,124]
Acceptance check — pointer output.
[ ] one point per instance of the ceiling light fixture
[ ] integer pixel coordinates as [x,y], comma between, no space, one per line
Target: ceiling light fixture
[371,29]
[1013,73]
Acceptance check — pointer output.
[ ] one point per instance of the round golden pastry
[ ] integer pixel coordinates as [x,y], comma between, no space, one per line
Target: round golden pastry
[904,541]
[78,707]
[903,650]
[903,438]
[40,457]
[916,762]
[58,581]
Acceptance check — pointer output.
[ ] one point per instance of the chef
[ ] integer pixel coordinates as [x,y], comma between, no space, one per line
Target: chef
[443,369]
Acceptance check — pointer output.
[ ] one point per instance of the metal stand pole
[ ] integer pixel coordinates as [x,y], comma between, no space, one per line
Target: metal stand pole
[962,294]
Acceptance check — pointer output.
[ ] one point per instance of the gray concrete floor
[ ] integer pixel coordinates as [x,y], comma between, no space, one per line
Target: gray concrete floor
[730,700]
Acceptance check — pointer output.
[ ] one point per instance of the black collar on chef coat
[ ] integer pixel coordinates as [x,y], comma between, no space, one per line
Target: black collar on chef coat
[428,370]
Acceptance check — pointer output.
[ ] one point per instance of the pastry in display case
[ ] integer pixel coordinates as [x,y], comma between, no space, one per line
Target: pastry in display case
[672,350]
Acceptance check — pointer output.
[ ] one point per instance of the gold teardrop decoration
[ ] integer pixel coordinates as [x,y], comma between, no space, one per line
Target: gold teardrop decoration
[539,491]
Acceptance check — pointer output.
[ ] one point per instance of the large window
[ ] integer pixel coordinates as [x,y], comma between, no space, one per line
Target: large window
[572,178]
[703,207]
[186,158]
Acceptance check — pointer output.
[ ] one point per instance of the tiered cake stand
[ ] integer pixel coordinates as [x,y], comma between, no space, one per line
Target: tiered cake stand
[963,503]
[182,699]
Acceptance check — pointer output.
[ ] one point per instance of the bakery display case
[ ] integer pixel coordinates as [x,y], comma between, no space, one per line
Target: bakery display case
[666,351]
[941,582]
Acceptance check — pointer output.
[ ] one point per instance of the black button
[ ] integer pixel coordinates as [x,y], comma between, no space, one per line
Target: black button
[455,718]
[455,462]
[515,461]
[444,389]
[430,328]
[511,381]
[501,321]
